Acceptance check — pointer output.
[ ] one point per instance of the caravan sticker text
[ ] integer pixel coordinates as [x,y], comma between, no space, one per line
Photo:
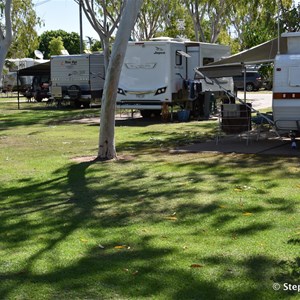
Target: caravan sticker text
[69,62]
[159,51]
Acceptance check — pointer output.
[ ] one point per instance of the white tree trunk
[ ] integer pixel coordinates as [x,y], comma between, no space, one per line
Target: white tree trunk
[107,149]
[5,37]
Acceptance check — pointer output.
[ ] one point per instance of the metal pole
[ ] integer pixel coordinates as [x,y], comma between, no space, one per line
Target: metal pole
[80,25]
[18,89]
[278,29]
[245,78]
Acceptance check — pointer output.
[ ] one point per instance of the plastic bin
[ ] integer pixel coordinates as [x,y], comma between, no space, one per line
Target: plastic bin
[183,115]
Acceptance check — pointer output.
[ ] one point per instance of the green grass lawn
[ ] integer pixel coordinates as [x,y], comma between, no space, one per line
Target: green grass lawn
[151,225]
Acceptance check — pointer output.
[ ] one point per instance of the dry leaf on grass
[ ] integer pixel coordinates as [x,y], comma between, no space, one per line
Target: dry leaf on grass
[122,247]
[247,214]
[171,218]
[196,266]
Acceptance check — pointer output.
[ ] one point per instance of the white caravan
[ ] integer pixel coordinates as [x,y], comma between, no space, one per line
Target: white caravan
[286,85]
[77,78]
[9,79]
[159,71]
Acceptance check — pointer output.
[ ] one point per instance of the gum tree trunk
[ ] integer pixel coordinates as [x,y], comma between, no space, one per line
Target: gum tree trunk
[107,149]
[5,37]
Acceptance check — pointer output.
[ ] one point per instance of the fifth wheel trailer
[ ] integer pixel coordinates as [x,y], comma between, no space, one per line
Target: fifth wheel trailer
[161,72]
[77,78]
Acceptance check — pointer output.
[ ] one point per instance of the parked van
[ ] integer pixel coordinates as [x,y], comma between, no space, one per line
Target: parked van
[252,82]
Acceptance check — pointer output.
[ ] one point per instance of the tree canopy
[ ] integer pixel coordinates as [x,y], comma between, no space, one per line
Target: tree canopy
[24,22]
[56,45]
[71,41]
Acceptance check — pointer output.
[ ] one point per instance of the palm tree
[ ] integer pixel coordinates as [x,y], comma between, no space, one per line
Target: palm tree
[90,41]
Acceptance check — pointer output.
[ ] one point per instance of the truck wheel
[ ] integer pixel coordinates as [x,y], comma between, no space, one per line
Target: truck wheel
[249,87]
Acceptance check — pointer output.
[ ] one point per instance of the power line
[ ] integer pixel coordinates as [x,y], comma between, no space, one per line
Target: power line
[40,3]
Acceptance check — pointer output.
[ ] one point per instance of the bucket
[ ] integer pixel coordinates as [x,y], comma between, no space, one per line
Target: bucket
[183,115]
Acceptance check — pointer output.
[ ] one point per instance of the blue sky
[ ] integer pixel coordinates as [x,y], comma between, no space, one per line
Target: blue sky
[62,14]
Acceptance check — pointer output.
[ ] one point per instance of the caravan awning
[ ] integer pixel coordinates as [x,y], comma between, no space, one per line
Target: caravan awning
[262,53]
[39,69]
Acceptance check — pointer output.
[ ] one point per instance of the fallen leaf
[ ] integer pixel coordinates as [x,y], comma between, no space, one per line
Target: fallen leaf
[84,240]
[135,273]
[242,188]
[171,218]
[101,246]
[196,266]
[222,206]
[121,247]
[247,214]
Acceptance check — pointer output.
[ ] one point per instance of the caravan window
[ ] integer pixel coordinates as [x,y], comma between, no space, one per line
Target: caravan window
[207,60]
[178,58]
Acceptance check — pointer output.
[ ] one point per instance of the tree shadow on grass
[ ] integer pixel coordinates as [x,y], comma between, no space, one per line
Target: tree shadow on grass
[84,195]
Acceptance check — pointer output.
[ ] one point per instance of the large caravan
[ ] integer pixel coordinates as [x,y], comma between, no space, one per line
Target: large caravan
[160,71]
[286,85]
[77,78]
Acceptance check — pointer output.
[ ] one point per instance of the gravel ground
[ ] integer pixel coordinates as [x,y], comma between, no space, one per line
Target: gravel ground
[258,100]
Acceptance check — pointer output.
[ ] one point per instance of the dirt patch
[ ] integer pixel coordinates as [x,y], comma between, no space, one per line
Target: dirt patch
[81,159]
[96,120]
[93,158]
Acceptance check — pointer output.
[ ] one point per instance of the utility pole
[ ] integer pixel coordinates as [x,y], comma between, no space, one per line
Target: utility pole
[80,25]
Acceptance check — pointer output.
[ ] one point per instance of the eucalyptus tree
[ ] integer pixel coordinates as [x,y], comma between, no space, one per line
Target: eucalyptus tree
[256,22]
[152,18]
[162,17]
[289,18]
[18,37]
[107,149]
[6,34]
[104,16]
[24,22]
[210,18]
